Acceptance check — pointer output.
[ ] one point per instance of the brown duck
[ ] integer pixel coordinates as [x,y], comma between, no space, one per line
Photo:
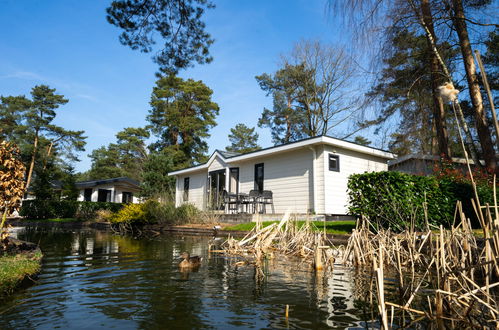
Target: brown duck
[189,262]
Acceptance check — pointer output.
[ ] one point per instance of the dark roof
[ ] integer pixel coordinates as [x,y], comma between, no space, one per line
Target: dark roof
[228,154]
[93,183]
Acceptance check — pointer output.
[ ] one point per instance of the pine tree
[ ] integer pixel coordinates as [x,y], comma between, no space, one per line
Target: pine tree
[181,116]
[243,139]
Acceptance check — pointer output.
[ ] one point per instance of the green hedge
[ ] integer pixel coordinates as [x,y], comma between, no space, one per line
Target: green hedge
[394,199]
[47,209]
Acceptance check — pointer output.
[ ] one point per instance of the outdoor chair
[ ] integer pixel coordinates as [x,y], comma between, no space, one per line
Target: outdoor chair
[231,202]
[266,198]
[253,199]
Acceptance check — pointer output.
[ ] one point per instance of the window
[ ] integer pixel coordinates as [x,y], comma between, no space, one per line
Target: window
[104,195]
[87,195]
[259,177]
[234,180]
[334,163]
[127,197]
[186,189]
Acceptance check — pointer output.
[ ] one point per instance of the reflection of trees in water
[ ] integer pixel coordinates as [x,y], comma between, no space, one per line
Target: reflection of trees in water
[138,280]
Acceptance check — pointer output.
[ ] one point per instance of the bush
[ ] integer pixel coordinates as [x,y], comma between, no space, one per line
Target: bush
[130,214]
[47,209]
[160,212]
[166,213]
[395,200]
[88,210]
[103,215]
[186,213]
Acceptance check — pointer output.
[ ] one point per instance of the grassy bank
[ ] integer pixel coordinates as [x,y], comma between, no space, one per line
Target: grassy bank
[13,269]
[332,227]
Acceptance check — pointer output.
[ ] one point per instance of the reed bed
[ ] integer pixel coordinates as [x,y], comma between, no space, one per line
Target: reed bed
[283,238]
[458,271]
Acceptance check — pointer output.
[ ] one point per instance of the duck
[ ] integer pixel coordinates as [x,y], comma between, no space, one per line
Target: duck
[189,262]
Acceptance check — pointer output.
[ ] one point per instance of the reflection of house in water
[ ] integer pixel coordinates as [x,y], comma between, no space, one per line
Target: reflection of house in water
[89,249]
[75,245]
[15,231]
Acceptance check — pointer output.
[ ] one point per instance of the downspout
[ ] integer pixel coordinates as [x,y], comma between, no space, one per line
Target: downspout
[314,178]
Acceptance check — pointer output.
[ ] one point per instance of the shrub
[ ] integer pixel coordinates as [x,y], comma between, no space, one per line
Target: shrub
[186,213]
[396,200]
[160,212]
[130,214]
[88,210]
[103,215]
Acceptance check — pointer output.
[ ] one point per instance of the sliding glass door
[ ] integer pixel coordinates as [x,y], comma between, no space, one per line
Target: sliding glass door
[216,187]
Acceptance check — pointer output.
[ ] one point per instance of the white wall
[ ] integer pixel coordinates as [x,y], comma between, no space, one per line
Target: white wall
[286,174]
[335,183]
[217,164]
[290,176]
[197,183]
[116,193]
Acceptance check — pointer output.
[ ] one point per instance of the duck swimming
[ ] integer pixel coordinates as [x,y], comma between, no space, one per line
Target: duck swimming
[189,262]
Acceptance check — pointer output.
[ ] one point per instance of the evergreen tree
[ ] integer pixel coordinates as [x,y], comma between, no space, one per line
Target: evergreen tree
[123,158]
[404,94]
[362,140]
[181,115]
[177,22]
[155,180]
[68,188]
[243,139]
[29,123]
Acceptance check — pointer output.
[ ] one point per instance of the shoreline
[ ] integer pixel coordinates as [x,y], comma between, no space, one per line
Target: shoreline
[189,229]
[18,268]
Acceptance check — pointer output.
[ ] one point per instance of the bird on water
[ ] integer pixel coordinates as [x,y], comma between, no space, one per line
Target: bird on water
[189,262]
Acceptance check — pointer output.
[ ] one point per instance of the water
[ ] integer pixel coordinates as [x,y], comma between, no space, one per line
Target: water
[91,279]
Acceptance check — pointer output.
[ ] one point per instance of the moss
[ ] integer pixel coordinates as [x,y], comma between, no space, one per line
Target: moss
[332,227]
[13,269]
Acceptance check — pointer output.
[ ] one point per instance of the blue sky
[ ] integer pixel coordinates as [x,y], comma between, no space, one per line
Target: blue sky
[68,45]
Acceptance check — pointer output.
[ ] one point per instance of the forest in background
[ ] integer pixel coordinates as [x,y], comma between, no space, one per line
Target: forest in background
[411,49]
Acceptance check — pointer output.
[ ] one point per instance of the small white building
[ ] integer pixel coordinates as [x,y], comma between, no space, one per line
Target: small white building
[307,176]
[115,190]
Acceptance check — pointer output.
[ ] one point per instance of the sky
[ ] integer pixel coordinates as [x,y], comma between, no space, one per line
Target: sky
[68,45]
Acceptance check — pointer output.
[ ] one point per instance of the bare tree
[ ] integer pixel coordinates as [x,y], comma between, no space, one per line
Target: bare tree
[328,98]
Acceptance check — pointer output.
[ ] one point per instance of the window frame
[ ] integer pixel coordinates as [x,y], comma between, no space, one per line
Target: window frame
[257,179]
[185,194]
[337,158]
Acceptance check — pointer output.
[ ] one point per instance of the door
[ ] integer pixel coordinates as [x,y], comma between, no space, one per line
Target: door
[216,187]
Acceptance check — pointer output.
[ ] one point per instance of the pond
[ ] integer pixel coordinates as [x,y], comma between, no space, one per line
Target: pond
[93,279]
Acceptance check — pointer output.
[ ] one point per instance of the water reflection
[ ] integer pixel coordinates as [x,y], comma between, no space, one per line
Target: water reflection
[93,279]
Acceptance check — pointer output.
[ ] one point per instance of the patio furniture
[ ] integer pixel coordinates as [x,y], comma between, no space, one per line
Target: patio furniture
[252,200]
[231,202]
[244,201]
[266,198]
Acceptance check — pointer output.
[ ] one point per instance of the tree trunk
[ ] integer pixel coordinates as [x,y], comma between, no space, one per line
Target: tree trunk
[49,151]
[483,131]
[32,162]
[438,106]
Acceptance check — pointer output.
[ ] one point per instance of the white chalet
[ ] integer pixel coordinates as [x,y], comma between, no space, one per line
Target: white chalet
[306,176]
[115,190]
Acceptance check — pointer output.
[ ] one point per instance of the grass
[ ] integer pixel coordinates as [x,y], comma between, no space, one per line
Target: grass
[13,269]
[332,227]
